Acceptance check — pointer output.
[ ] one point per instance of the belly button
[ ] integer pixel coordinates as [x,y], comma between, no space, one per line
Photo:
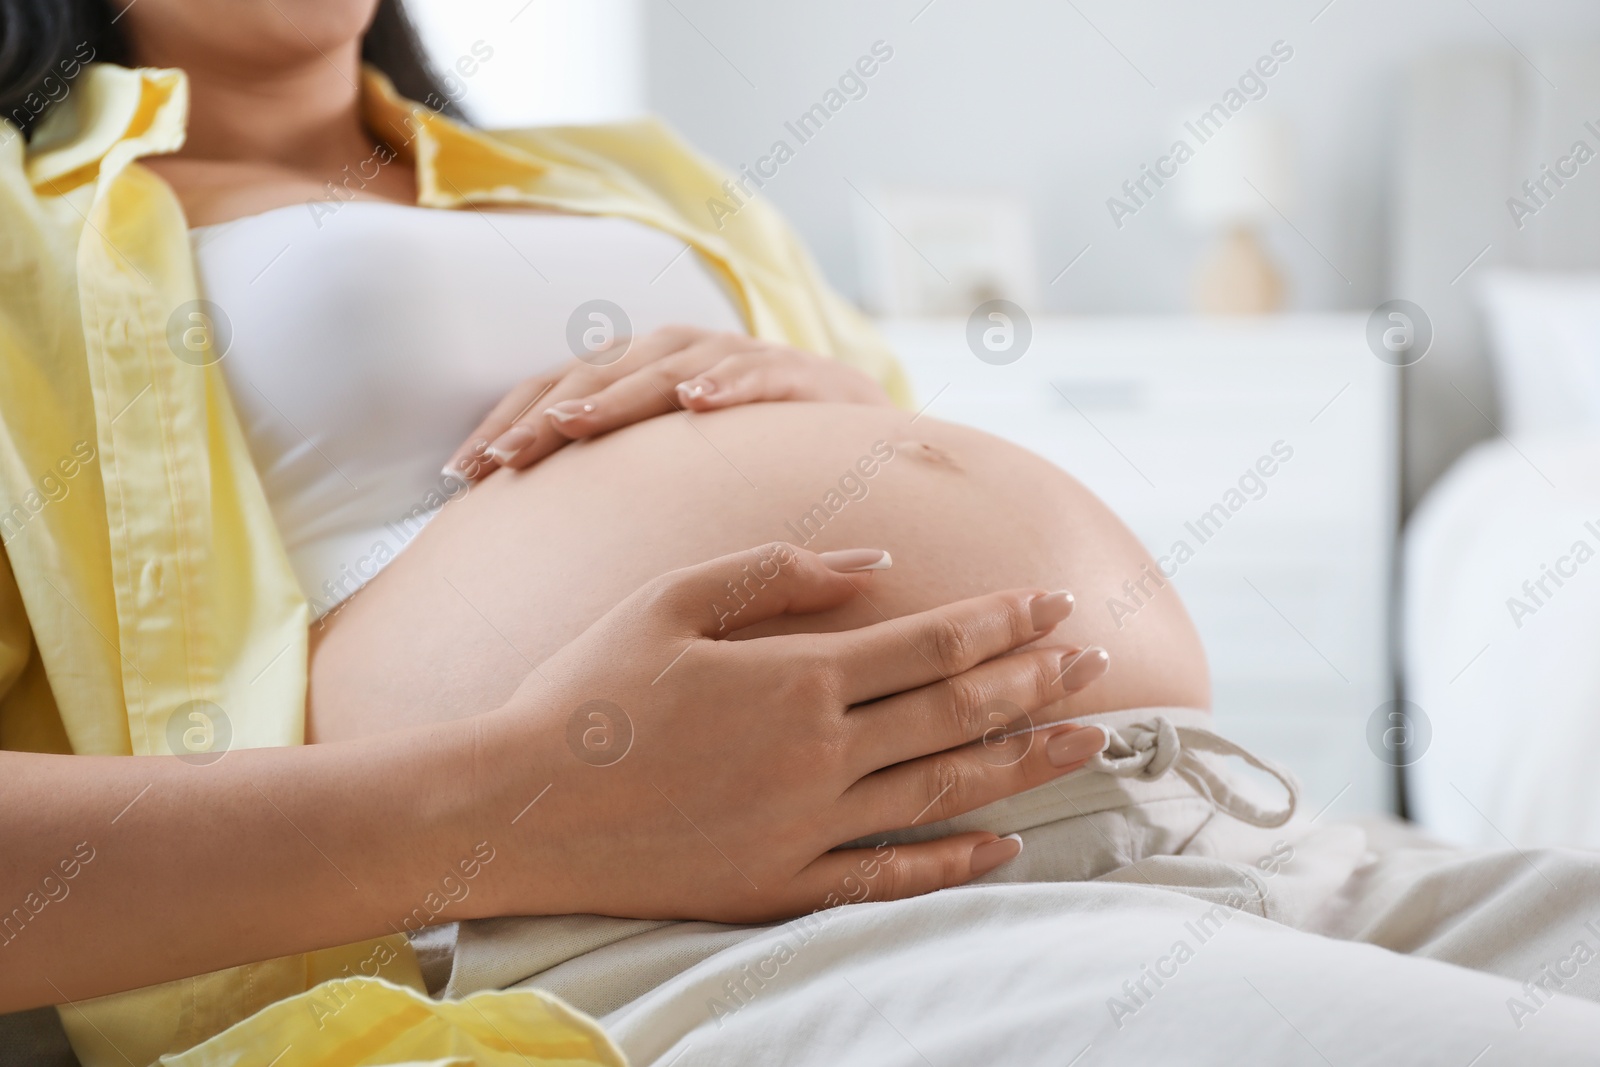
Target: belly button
[922,450]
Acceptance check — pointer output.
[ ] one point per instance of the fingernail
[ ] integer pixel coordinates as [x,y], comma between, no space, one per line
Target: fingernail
[697,388]
[1050,609]
[1075,745]
[1079,669]
[986,857]
[568,410]
[511,442]
[851,560]
[468,465]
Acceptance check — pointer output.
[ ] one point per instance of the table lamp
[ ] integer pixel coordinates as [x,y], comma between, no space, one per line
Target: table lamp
[1239,179]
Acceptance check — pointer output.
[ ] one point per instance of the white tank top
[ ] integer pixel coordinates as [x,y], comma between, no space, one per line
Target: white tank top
[366,345]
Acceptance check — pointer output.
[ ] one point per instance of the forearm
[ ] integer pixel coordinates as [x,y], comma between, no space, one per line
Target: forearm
[124,871]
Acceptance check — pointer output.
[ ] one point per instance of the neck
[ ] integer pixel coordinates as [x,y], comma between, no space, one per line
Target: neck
[307,117]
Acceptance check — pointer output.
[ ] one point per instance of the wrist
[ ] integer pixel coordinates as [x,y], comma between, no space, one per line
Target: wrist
[440,848]
[493,806]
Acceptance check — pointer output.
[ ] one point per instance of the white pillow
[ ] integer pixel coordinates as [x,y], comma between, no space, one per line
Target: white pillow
[1544,335]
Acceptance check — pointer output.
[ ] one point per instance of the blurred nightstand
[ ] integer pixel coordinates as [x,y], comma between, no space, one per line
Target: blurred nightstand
[1175,423]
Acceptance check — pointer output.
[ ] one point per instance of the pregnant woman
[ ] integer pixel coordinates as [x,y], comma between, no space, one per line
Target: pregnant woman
[253,420]
[693,624]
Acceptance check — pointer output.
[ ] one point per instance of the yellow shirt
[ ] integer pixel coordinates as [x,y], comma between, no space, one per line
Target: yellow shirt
[140,567]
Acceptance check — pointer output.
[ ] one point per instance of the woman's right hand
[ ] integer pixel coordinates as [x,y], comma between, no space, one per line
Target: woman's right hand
[683,775]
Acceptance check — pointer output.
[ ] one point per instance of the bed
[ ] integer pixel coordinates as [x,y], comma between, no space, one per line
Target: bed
[1503,661]
[1500,592]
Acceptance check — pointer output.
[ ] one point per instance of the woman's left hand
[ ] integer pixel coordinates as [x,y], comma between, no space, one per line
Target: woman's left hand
[672,368]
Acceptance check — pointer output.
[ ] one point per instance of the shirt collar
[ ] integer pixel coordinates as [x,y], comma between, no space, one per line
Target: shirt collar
[455,164]
[111,115]
[114,115]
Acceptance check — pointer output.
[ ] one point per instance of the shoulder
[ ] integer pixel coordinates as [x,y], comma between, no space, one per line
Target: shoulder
[37,240]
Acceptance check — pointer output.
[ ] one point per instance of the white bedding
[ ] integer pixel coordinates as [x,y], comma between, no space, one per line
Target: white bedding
[1507,674]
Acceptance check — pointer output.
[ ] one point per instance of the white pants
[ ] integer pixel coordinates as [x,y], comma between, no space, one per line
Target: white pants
[1173,915]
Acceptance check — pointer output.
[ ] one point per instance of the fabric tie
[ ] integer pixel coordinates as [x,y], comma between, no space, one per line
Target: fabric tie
[1147,750]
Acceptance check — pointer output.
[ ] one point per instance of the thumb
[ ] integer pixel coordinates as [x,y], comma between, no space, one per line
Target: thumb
[731,592]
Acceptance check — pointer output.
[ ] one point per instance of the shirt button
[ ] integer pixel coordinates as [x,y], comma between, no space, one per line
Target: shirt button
[152,581]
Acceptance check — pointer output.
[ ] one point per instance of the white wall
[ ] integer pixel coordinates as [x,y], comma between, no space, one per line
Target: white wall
[1026,95]
[553,61]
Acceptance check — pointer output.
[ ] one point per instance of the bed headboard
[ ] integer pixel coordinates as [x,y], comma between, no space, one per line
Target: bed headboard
[1475,126]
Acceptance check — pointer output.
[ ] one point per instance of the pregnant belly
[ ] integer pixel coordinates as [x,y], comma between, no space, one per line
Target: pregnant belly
[516,568]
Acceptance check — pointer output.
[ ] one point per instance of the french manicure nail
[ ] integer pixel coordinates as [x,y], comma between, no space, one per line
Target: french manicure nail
[511,442]
[1050,609]
[986,857]
[470,463]
[694,390]
[851,560]
[1075,745]
[568,410]
[1079,669]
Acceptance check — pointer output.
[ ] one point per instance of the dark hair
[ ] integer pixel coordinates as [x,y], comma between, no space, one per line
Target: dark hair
[45,43]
